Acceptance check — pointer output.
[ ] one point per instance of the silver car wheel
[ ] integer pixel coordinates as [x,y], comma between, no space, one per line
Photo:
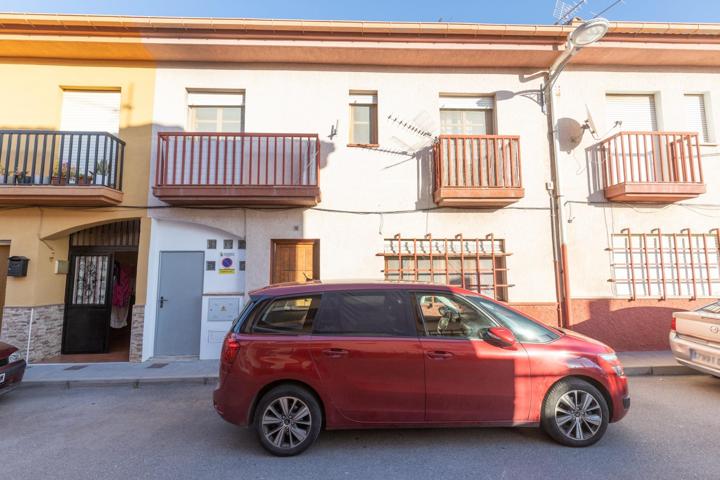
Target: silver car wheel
[578,415]
[286,422]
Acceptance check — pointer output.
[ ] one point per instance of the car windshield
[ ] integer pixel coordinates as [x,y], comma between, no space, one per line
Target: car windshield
[525,330]
[712,308]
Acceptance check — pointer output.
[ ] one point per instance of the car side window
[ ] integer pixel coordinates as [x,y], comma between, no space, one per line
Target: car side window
[293,316]
[373,313]
[447,315]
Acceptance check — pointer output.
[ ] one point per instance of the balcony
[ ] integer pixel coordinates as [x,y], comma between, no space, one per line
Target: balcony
[477,171]
[39,167]
[238,169]
[659,167]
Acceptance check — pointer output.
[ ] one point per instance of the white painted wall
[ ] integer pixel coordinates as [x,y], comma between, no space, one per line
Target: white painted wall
[594,220]
[180,236]
[308,99]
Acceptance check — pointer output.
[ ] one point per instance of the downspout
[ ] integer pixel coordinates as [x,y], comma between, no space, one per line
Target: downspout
[559,229]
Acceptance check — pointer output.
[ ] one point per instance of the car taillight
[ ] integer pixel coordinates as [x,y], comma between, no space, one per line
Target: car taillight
[230,349]
[673,324]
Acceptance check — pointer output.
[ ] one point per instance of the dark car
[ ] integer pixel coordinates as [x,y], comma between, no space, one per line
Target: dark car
[12,368]
[389,355]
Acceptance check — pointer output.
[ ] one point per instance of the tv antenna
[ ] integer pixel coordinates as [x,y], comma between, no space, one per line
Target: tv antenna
[564,11]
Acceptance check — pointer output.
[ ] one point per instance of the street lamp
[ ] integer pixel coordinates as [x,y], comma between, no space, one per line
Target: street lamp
[585,34]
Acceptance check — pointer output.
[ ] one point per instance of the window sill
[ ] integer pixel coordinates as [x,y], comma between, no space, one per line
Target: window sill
[363,145]
[709,144]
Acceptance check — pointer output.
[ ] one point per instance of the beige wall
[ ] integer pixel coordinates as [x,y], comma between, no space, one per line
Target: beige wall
[32,99]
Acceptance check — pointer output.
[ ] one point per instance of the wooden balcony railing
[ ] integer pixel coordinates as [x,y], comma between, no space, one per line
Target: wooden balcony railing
[238,168]
[477,170]
[651,166]
[60,167]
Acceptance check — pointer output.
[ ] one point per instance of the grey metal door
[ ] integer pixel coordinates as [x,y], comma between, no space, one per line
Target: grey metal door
[179,303]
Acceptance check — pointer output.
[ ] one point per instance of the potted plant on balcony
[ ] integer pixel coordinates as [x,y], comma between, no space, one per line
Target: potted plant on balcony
[3,172]
[63,174]
[101,171]
[21,177]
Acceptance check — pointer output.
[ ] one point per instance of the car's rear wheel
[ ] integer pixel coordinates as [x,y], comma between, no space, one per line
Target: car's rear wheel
[575,413]
[287,420]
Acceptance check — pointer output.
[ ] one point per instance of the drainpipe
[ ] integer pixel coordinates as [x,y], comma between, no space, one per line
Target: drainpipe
[584,34]
[559,228]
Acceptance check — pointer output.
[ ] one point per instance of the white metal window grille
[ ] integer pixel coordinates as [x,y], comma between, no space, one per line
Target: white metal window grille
[474,264]
[666,265]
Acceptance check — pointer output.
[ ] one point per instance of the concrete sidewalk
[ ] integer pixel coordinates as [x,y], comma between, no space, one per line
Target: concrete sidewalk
[134,374]
[206,371]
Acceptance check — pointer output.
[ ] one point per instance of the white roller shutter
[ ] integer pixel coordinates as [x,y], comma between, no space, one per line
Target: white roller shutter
[696,118]
[466,102]
[95,111]
[636,112]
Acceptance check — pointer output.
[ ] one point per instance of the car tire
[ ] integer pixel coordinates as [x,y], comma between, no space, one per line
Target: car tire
[575,413]
[287,420]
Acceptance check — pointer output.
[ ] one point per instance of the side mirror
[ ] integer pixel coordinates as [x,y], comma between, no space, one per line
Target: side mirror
[500,337]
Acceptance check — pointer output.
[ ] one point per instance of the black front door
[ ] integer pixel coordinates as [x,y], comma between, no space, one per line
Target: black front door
[88,303]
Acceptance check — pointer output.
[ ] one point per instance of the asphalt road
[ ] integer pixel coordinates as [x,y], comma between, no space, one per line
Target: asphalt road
[172,431]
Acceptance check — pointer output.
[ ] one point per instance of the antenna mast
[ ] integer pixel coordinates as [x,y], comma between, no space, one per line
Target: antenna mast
[564,12]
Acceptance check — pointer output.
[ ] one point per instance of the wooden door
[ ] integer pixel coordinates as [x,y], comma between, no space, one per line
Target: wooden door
[295,261]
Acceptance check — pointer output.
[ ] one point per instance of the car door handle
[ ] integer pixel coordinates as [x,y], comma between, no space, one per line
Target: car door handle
[162,301]
[439,355]
[335,352]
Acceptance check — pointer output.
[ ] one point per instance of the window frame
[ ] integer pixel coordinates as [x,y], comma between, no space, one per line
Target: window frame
[408,315]
[496,257]
[422,326]
[192,120]
[373,119]
[263,306]
[707,136]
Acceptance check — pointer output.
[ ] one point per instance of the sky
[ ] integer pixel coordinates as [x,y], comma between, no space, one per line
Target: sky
[482,11]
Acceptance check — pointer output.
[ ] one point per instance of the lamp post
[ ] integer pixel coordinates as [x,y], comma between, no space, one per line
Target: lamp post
[584,34]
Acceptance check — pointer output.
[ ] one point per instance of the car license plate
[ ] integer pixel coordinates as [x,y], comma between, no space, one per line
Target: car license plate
[705,359]
[2,378]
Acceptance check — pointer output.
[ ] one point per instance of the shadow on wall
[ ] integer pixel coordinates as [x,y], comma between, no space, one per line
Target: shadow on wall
[595,182]
[628,325]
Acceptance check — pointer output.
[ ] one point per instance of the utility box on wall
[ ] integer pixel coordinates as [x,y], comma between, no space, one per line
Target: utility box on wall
[17,266]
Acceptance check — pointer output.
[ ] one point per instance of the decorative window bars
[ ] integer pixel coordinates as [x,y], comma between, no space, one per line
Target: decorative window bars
[666,265]
[475,264]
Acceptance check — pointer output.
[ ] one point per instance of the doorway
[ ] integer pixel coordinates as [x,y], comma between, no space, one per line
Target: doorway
[100,293]
[295,261]
[179,304]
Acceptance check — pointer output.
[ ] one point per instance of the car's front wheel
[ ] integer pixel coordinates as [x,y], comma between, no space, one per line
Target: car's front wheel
[287,420]
[575,413]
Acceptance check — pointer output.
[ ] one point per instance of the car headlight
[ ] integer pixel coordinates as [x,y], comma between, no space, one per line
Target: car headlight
[613,361]
[14,357]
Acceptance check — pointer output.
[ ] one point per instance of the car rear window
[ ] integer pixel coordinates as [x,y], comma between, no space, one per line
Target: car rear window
[375,313]
[287,316]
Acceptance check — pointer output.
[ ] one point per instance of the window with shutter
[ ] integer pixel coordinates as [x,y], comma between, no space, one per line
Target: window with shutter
[636,112]
[466,115]
[696,118]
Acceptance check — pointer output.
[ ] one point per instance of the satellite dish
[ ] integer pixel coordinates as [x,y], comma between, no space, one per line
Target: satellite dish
[590,123]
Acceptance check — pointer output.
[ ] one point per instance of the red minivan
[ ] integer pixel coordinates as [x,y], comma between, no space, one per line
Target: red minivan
[304,357]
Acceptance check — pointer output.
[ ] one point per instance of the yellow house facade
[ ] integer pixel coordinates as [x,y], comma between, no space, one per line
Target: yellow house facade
[88,193]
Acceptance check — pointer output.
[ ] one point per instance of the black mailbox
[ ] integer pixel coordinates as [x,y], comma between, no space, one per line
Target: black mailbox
[17,266]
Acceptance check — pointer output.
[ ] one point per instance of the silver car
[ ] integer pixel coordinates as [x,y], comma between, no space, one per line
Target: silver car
[695,338]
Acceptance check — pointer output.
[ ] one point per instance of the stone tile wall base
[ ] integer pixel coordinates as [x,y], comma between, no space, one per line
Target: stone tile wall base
[46,332]
[136,333]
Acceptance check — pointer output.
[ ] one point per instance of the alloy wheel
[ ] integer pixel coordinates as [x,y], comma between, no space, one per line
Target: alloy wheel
[286,422]
[578,415]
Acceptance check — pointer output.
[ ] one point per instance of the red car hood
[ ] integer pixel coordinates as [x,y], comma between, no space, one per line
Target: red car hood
[581,343]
